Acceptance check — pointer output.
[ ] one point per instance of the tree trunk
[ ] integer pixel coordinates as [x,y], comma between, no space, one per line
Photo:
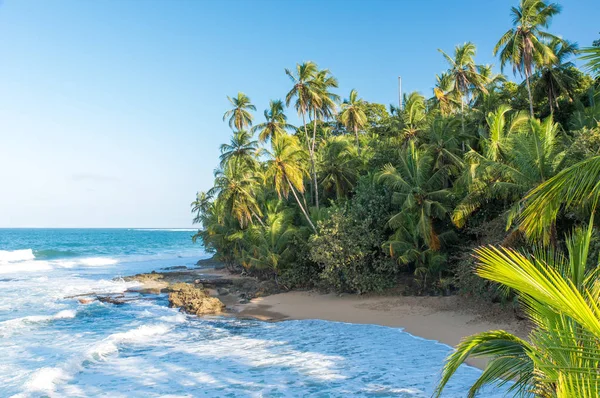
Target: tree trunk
[356,135]
[301,207]
[314,169]
[462,119]
[312,187]
[529,94]
[258,218]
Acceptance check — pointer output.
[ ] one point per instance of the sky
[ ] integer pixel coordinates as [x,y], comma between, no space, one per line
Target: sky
[111,110]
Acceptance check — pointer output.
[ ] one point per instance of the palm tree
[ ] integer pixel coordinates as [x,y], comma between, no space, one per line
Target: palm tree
[276,122]
[442,140]
[235,187]
[239,117]
[592,57]
[323,105]
[526,157]
[553,75]
[285,168]
[200,206]
[353,116]
[241,151]
[560,295]
[524,45]
[575,186]
[409,248]
[413,115]
[304,91]
[464,74]
[338,166]
[270,243]
[419,190]
[443,94]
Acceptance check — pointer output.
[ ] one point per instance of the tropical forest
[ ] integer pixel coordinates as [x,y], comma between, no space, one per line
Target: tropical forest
[486,186]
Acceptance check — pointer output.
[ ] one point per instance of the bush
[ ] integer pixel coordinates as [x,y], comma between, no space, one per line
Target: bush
[346,250]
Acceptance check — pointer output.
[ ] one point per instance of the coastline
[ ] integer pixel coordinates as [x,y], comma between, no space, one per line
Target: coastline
[446,319]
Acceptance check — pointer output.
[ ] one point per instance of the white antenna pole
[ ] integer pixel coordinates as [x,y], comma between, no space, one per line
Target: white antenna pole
[400,91]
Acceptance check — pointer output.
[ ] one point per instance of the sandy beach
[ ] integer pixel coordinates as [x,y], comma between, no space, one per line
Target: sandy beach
[444,319]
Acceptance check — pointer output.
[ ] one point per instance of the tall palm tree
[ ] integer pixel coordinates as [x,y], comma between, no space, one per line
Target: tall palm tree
[464,73]
[305,94]
[276,122]
[240,117]
[553,77]
[560,296]
[353,115]
[323,105]
[419,190]
[524,45]
[285,168]
[241,151]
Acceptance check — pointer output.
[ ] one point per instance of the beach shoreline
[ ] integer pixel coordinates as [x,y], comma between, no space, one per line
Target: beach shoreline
[445,319]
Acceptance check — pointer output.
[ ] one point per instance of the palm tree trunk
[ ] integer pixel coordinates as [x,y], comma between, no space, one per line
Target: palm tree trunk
[312,187]
[356,136]
[312,160]
[258,218]
[301,207]
[462,119]
[529,94]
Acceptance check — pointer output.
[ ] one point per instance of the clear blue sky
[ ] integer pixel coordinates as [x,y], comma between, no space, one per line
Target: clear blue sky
[111,111]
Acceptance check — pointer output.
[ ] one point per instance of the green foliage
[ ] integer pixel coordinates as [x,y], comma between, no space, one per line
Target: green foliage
[346,251]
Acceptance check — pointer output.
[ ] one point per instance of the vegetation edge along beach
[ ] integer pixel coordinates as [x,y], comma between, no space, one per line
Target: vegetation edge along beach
[486,187]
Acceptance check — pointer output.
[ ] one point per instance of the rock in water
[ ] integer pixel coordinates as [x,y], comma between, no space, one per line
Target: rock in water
[194,300]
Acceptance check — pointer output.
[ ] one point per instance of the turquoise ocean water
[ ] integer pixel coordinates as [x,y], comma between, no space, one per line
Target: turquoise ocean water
[56,347]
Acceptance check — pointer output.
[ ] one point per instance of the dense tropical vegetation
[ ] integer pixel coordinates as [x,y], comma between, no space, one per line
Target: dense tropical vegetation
[361,197]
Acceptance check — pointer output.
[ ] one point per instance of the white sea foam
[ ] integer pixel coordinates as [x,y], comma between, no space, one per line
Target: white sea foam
[48,379]
[98,261]
[11,256]
[15,325]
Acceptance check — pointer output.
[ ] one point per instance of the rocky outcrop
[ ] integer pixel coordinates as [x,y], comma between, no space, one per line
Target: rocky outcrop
[194,300]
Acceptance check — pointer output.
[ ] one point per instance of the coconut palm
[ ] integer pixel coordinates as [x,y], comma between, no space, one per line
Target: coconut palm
[353,115]
[524,45]
[526,157]
[464,74]
[413,115]
[235,187]
[323,106]
[305,93]
[338,166]
[270,243]
[575,186]
[443,95]
[592,57]
[560,296]
[275,124]
[286,170]
[418,190]
[442,140]
[409,248]
[240,117]
[553,78]
[241,151]
[200,206]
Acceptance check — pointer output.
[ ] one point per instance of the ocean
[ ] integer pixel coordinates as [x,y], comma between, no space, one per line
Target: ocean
[53,346]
